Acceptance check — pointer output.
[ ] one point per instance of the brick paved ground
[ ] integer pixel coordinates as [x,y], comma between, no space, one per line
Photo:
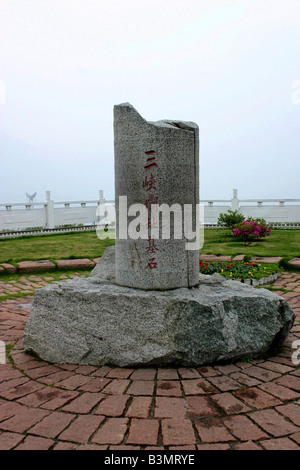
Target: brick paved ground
[246,405]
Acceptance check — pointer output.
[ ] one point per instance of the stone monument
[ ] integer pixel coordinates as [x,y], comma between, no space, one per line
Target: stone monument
[145,303]
[156,164]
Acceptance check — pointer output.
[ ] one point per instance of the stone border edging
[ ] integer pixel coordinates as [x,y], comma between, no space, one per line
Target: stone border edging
[87,263]
[47,265]
[259,282]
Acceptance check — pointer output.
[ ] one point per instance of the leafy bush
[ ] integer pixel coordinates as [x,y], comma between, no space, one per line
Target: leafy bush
[230,219]
[251,229]
[265,229]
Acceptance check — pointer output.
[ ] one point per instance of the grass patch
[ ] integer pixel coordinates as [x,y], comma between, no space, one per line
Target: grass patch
[284,243]
[281,243]
[59,246]
[8,348]
[55,275]
[14,295]
[284,291]
[284,263]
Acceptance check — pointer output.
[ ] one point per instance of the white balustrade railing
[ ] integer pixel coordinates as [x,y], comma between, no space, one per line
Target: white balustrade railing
[49,214]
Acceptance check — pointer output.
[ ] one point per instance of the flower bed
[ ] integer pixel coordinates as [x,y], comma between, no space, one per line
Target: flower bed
[251,273]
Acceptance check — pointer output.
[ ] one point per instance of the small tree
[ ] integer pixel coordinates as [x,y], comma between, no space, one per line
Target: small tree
[230,219]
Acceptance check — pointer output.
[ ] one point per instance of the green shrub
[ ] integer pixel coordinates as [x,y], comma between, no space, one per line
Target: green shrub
[251,229]
[230,219]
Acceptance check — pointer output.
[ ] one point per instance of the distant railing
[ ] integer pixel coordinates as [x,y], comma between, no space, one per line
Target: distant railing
[46,231]
[24,218]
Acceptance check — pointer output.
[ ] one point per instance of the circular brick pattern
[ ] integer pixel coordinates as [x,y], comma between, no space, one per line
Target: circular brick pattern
[246,405]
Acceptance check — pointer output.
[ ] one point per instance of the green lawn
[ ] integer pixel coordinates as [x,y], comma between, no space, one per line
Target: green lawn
[280,243]
[65,246]
[87,245]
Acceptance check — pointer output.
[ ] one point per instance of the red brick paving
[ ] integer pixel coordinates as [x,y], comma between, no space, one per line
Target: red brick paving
[178,432]
[30,266]
[112,431]
[140,407]
[212,430]
[169,407]
[74,263]
[251,405]
[112,405]
[201,407]
[82,429]
[143,432]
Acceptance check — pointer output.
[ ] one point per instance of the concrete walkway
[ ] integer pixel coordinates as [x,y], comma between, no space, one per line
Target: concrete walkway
[246,405]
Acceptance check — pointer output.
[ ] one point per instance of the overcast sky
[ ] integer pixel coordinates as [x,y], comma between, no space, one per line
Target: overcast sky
[231,66]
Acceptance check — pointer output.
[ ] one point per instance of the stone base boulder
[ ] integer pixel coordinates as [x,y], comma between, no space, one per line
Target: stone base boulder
[93,321]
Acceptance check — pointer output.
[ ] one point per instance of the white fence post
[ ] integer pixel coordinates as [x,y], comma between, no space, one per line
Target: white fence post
[234,201]
[101,212]
[49,206]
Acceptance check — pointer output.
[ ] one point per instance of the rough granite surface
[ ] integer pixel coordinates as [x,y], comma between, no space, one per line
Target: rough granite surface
[94,321]
[155,163]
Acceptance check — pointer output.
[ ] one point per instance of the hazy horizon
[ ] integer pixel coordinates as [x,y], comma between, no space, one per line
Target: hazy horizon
[234,70]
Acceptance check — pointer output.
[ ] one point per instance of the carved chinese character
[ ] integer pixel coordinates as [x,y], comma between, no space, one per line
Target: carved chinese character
[150,161]
[149,184]
[152,200]
[152,264]
[152,223]
[151,246]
